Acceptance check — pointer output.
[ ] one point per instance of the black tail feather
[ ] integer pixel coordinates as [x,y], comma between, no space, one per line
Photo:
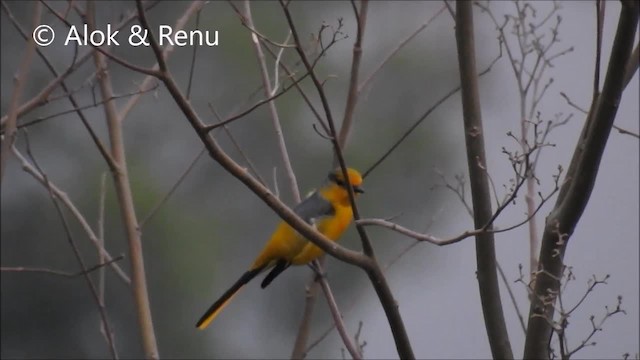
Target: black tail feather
[211,313]
[281,266]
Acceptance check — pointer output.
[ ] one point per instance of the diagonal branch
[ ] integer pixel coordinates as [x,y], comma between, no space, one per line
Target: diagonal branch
[423,117]
[218,154]
[352,94]
[66,201]
[363,85]
[373,270]
[41,97]
[76,252]
[300,346]
[275,118]
[577,189]
[19,82]
[59,272]
[146,84]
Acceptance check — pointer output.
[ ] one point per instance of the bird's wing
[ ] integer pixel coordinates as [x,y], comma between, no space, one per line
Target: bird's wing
[313,208]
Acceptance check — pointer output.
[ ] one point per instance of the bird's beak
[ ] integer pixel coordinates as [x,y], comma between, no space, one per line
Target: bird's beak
[358,189]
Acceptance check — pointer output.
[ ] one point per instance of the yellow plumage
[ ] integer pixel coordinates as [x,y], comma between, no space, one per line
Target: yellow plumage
[327,208]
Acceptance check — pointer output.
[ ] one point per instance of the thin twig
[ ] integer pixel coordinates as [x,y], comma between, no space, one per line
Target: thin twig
[620,130]
[352,92]
[104,52]
[256,105]
[401,338]
[28,168]
[626,132]
[98,266]
[217,153]
[192,67]
[194,7]
[306,99]
[598,327]
[101,259]
[81,60]
[76,252]
[19,81]
[300,350]
[285,89]
[103,151]
[83,107]
[42,97]
[422,118]
[363,85]
[173,188]
[275,118]
[577,189]
[345,130]
[458,190]
[335,312]
[385,268]
[512,297]
[240,151]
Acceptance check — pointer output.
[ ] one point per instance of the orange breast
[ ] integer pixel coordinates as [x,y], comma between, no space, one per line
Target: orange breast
[332,227]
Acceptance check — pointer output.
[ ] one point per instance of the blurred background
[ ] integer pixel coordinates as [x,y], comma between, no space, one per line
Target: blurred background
[211,228]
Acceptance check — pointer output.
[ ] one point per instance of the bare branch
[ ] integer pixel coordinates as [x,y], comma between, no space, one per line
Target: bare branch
[216,152]
[347,121]
[42,97]
[620,130]
[76,252]
[82,107]
[373,270]
[335,312]
[125,198]
[58,272]
[100,225]
[192,66]
[626,132]
[352,92]
[244,156]
[175,186]
[106,53]
[80,60]
[576,190]
[19,82]
[512,297]
[422,118]
[28,168]
[300,350]
[598,327]
[275,118]
[363,85]
[480,195]
[194,7]
[301,92]
[294,82]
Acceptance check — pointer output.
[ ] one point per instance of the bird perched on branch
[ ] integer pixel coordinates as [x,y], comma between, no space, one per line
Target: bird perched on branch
[328,208]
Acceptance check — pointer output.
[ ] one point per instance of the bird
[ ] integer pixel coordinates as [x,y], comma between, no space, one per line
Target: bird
[327,208]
